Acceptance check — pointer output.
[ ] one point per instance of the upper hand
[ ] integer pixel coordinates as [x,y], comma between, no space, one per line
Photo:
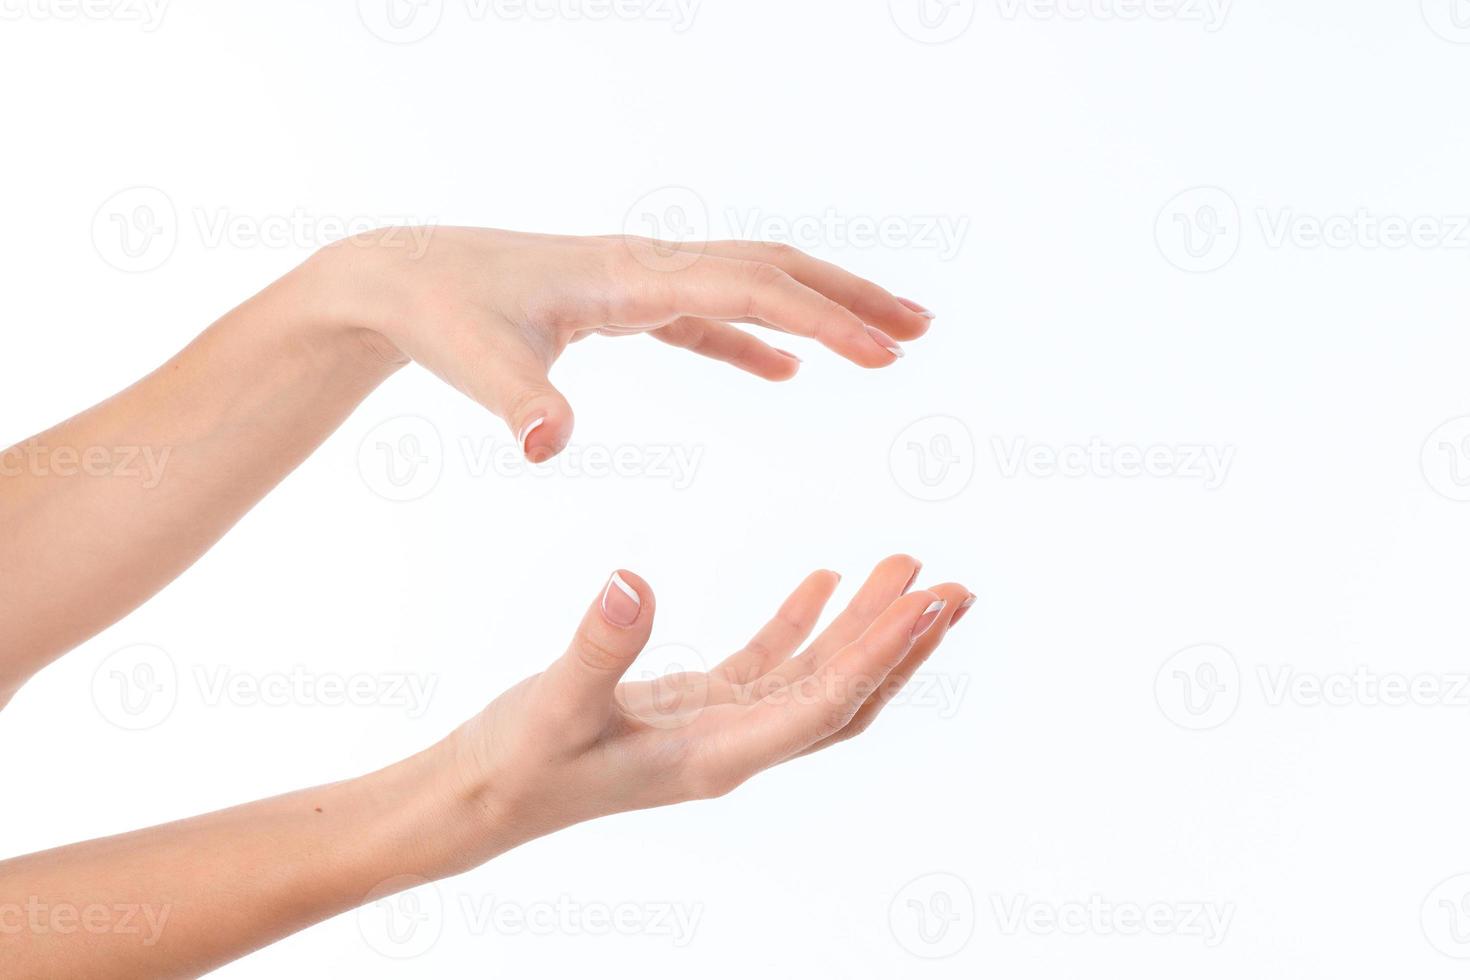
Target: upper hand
[490,311]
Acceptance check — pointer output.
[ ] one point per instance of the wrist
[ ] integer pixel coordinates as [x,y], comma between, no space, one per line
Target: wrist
[346,293]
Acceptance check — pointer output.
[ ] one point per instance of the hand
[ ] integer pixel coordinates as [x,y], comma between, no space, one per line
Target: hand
[574,743]
[490,311]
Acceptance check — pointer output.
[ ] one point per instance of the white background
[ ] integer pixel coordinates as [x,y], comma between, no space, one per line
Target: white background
[1059,753]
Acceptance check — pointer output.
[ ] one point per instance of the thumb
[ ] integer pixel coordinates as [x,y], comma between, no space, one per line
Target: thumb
[610,638]
[538,414]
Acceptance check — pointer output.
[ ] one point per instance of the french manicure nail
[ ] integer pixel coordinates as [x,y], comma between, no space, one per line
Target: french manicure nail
[884,341]
[927,618]
[620,602]
[964,608]
[918,567]
[525,434]
[921,310]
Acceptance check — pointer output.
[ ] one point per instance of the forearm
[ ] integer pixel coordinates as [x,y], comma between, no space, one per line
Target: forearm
[183,898]
[100,512]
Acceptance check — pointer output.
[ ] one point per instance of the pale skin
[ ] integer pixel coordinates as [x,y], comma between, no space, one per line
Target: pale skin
[246,402]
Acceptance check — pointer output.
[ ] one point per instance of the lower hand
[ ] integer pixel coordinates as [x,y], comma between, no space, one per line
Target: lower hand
[575,742]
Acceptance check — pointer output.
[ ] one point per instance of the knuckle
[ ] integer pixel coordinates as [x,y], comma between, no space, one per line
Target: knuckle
[592,652]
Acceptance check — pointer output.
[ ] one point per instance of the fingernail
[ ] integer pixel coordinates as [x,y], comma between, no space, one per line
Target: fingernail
[959,613]
[787,353]
[620,602]
[884,341]
[918,567]
[926,620]
[922,311]
[525,434]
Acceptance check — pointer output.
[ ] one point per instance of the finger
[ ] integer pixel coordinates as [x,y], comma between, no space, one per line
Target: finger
[891,578]
[957,600]
[816,706]
[731,345]
[779,638]
[718,288]
[903,319]
[582,681]
[512,383]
